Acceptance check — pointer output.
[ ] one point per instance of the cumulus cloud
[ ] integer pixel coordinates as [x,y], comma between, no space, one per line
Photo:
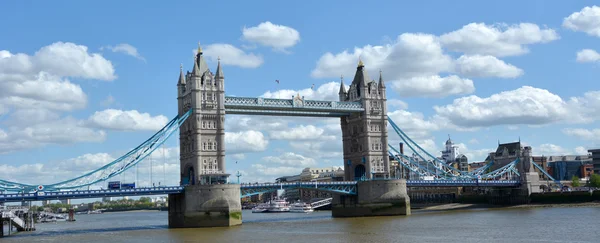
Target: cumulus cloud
[60,59]
[63,131]
[301,132]
[497,40]
[246,141]
[327,91]
[525,105]
[587,55]
[34,90]
[433,86]
[550,149]
[587,20]
[126,49]
[410,55]
[486,66]
[581,133]
[416,64]
[126,120]
[279,37]
[231,55]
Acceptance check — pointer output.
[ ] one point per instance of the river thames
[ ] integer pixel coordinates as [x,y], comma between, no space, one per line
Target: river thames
[474,225]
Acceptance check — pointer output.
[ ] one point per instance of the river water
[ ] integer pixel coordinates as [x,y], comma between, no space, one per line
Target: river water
[483,225]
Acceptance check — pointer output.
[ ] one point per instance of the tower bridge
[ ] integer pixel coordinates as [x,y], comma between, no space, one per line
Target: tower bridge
[206,198]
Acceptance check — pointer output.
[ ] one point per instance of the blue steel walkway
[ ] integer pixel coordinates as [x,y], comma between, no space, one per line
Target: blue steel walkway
[338,187]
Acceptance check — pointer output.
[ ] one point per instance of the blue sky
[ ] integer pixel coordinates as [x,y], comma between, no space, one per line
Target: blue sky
[83,82]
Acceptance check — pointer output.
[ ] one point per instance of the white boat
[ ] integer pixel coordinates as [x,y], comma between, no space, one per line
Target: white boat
[259,209]
[273,206]
[300,207]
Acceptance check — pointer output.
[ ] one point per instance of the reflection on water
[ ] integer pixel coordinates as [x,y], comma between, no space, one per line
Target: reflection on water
[522,225]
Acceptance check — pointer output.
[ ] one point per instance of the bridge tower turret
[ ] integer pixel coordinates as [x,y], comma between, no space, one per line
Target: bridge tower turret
[202,136]
[207,200]
[364,134]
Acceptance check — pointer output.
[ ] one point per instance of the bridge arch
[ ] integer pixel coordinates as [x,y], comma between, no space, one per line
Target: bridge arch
[359,172]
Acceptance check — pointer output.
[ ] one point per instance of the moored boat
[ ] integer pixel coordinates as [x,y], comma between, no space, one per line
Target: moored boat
[301,207]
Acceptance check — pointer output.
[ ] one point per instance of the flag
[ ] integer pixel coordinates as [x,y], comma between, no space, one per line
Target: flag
[277,80]
[312,87]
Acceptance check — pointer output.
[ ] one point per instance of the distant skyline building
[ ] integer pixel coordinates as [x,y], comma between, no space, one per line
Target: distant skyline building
[451,155]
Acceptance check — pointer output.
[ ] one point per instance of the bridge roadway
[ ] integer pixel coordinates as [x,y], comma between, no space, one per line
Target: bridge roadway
[340,187]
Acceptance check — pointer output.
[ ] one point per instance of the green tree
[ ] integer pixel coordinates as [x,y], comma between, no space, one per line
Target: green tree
[145,199]
[595,180]
[575,181]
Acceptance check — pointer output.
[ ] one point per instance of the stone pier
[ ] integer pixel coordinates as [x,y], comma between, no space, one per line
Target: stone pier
[374,198]
[215,205]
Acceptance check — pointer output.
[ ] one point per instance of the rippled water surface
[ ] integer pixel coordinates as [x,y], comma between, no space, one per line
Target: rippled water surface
[497,225]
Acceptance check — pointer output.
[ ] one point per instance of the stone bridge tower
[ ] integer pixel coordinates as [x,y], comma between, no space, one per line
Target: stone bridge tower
[202,135]
[365,134]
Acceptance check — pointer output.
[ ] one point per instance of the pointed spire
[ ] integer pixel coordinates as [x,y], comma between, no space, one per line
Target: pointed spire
[381,83]
[342,87]
[360,62]
[199,49]
[196,71]
[219,74]
[181,77]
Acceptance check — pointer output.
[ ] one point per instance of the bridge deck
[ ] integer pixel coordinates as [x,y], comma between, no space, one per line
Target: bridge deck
[342,187]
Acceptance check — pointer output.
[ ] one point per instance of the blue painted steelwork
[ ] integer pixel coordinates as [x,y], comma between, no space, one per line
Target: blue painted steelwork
[463,183]
[59,195]
[340,187]
[111,169]
[546,174]
[290,107]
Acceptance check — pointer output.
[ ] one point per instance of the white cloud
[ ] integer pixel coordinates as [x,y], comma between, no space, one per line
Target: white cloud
[473,155]
[588,55]
[416,64]
[549,149]
[231,55]
[290,159]
[486,66]
[275,171]
[42,91]
[398,104]
[525,105]
[587,20]
[581,133]
[126,120]
[72,60]
[474,141]
[327,91]
[409,56]
[433,86]
[246,141]
[63,131]
[301,132]
[279,37]
[126,49]
[34,91]
[497,40]
[581,150]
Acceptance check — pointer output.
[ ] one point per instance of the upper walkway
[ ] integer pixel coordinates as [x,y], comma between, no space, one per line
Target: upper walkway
[289,107]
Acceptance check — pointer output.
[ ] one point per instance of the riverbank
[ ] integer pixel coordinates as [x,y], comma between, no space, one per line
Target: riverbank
[422,208]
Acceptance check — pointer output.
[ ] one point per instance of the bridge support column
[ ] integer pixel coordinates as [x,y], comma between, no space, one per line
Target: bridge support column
[374,198]
[206,206]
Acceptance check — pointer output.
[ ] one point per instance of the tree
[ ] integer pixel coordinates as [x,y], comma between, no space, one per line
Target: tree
[145,199]
[575,181]
[595,180]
